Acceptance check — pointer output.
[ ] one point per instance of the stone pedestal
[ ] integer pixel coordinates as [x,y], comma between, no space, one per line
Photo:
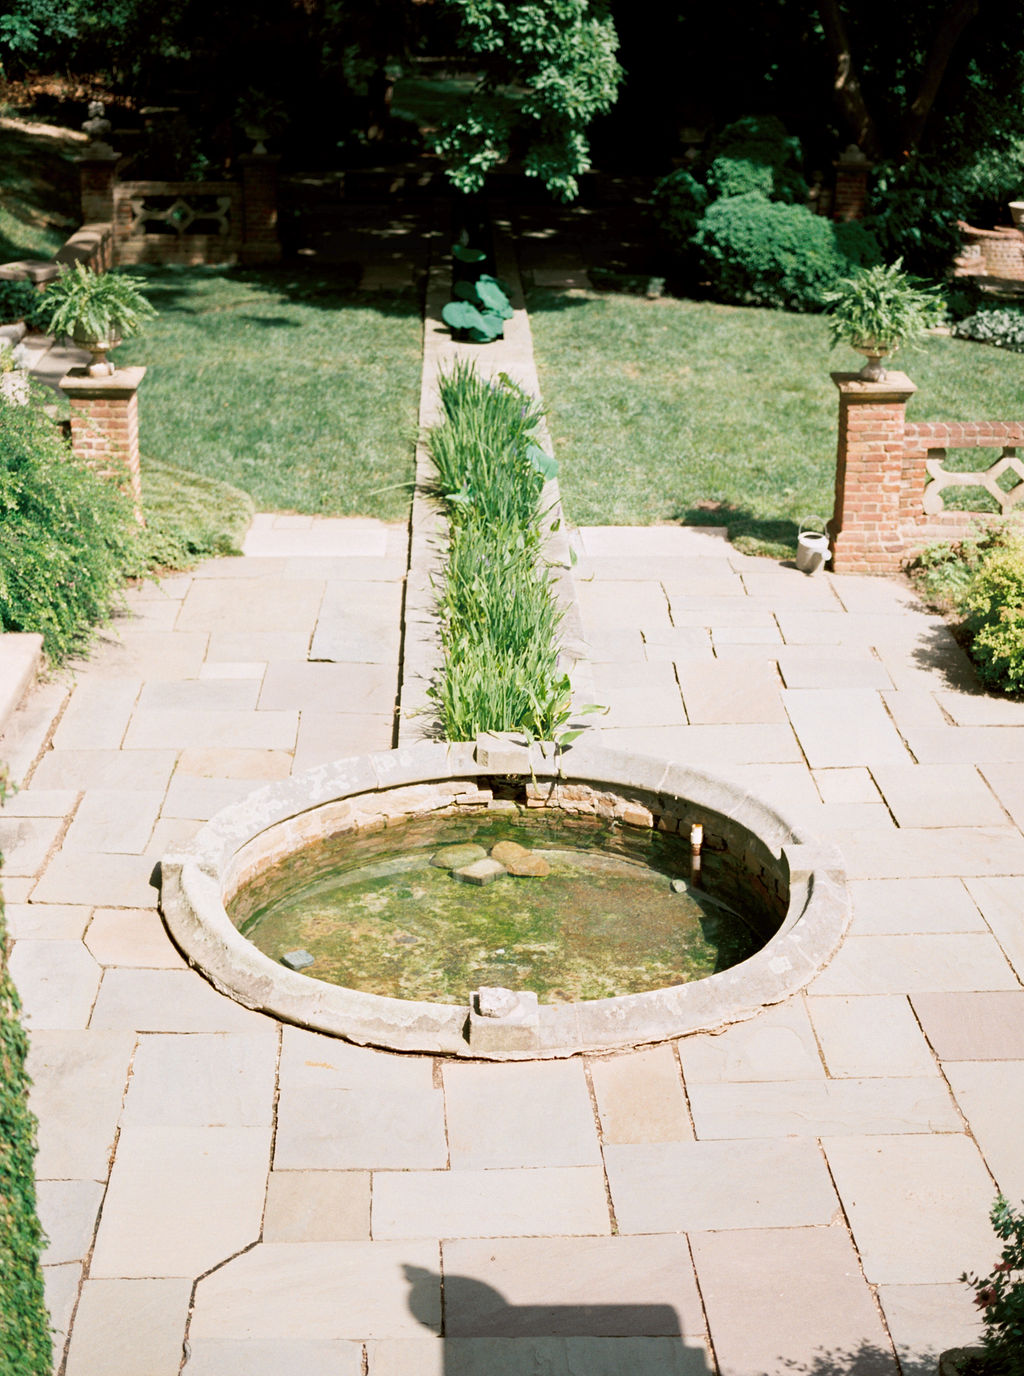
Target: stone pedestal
[97,173]
[105,425]
[867,518]
[260,243]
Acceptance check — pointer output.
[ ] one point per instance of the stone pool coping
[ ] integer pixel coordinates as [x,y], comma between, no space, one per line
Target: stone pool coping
[194,880]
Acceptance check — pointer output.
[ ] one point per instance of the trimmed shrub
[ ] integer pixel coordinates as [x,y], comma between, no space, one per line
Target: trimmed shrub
[677,204]
[758,252]
[24,1323]
[1002,326]
[66,534]
[756,154]
[994,603]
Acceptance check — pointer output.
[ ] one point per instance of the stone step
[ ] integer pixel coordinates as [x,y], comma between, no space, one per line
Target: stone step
[20,658]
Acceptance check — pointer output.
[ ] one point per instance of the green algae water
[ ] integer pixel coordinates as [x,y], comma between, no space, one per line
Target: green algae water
[378,916]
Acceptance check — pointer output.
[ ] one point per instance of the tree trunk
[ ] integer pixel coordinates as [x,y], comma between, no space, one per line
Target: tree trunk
[957,18]
[846,83]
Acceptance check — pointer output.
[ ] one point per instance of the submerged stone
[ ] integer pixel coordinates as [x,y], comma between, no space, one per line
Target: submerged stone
[457,856]
[483,871]
[528,866]
[505,851]
[297,960]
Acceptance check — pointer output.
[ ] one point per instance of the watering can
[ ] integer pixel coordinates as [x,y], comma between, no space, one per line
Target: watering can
[812,545]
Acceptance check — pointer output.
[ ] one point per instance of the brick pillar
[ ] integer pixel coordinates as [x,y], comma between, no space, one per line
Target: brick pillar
[260,244]
[851,185]
[866,520]
[97,173]
[105,425]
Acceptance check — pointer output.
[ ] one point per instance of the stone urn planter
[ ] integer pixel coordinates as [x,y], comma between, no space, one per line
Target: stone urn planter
[1017,211]
[98,347]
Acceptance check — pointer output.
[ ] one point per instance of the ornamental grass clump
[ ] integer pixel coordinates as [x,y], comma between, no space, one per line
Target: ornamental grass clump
[498,612]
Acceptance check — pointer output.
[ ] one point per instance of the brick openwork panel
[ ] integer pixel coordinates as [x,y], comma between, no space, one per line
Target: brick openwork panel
[105,425]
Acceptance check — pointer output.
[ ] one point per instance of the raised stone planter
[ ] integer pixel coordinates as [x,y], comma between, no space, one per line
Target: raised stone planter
[754,847]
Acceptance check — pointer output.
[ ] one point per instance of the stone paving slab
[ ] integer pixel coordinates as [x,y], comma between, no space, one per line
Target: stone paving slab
[209,1204]
[57,982]
[707,1186]
[519,1115]
[730,691]
[999,902]
[347,1129]
[97,878]
[803,1303]
[991,1097]
[131,936]
[587,1286]
[973,1027]
[828,1108]
[78,1082]
[317,1206]
[490,1203]
[868,735]
[869,1036]
[927,1320]
[103,1344]
[917,1204]
[319,1291]
[925,963]
[640,1097]
[778,1045]
[890,907]
[934,795]
[110,820]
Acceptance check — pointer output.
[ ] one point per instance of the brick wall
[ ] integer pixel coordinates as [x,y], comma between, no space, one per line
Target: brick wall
[879,519]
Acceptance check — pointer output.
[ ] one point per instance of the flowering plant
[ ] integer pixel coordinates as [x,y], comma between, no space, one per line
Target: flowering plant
[1002,1297]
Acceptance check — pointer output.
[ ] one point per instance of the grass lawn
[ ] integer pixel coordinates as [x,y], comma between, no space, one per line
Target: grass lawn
[292,387]
[672,410]
[38,189]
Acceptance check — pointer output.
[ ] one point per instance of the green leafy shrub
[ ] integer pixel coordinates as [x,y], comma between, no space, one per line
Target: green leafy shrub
[759,138]
[498,613]
[65,534]
[756,154]
[1001,326]
[1001,1295]
[22,301]
[994,607]
[677,204]
[763,253]
[24,1323]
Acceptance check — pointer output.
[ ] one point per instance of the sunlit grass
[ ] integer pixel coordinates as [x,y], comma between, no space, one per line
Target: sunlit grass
[38,192]
[672,410]
[300,392]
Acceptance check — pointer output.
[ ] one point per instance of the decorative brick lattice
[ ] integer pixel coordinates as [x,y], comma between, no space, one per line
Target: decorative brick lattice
[178,222]
[986,478]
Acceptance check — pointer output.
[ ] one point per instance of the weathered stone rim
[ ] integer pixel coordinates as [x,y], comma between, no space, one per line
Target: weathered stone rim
[193,882]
